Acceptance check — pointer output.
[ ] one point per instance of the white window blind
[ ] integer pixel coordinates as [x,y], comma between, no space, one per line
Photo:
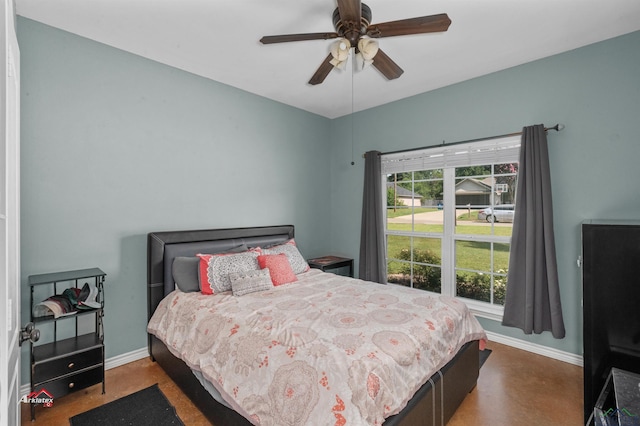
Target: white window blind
[494,151]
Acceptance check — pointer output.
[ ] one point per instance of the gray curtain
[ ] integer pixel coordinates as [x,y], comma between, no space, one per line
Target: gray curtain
[533,296]
[372,265]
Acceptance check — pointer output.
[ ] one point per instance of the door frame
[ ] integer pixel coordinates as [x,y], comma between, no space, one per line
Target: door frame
[10,298]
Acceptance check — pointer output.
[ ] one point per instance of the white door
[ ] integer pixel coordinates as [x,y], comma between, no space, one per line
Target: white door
[9,221]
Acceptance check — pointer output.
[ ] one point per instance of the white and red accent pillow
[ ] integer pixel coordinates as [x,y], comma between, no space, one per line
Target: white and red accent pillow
[214,269]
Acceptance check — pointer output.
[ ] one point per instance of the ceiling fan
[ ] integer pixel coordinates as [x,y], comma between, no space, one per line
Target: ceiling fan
[352,22]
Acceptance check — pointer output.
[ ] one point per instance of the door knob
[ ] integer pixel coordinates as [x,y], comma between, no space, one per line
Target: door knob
[29,332]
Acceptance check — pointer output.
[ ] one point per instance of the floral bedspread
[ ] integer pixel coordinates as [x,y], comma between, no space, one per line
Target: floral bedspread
[325,350]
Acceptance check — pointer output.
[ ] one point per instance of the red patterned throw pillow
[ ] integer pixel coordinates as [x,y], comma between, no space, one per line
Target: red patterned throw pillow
[279,268]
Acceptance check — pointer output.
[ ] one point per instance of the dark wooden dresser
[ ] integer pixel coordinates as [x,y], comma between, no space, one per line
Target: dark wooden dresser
[611,303]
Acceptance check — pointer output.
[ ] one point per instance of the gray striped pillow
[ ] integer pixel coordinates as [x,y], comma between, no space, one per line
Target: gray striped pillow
[246,282]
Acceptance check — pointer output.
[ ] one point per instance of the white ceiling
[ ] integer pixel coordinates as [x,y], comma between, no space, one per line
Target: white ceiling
[219,39]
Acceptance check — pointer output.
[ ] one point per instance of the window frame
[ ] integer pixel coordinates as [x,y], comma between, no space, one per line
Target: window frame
[448,158]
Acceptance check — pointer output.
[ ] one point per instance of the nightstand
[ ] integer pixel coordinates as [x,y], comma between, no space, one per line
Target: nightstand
[326,263]
[73,359]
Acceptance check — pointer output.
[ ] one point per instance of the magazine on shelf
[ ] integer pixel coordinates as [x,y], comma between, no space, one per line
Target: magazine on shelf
[325,260]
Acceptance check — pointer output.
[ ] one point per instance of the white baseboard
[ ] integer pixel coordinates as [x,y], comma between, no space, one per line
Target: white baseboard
[537,349]
[123,359]
[109,363]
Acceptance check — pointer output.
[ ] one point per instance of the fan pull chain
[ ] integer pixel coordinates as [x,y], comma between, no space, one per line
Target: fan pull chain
[353,65]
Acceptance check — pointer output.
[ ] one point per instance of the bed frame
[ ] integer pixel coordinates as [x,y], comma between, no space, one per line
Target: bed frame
[433,404]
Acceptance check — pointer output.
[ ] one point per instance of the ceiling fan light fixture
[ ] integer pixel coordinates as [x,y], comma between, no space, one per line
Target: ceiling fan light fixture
[362,62]
[367,50]
[340,51]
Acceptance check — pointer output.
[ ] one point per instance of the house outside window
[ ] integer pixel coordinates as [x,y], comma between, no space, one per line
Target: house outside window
[452,232]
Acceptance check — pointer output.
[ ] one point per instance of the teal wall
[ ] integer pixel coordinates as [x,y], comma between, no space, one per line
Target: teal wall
[115,146]
[594,91]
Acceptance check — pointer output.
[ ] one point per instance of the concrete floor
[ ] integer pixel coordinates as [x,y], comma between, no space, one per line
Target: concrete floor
[515,388]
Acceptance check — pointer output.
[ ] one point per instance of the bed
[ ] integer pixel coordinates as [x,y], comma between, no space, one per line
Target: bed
[436,399]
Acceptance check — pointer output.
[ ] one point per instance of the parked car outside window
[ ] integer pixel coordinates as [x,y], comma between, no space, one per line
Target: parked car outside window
[502,213]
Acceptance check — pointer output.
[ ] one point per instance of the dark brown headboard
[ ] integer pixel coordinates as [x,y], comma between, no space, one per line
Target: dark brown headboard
[163,247]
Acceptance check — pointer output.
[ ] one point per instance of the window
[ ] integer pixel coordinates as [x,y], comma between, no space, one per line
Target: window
[449,219]
[502,187]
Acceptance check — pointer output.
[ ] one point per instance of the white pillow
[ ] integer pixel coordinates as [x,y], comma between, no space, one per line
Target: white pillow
[298,264]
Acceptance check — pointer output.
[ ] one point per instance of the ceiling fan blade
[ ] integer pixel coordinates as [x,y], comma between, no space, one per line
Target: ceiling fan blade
[322,72]
[296,37]
[350,10]
[386,66]
[421,25]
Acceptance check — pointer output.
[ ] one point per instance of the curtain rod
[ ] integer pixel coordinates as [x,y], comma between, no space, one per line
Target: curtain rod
[557,128]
